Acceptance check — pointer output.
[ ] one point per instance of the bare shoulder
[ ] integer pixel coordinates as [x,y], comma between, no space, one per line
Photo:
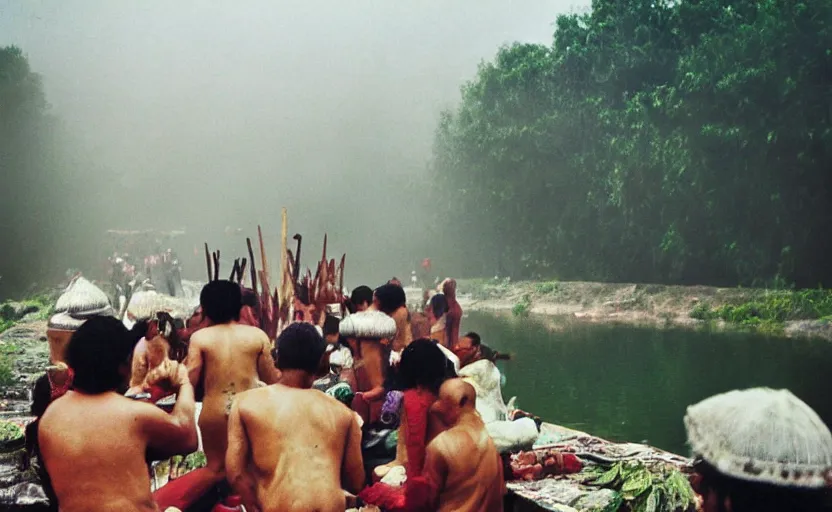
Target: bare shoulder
[451,441]
[251,332]
[251,397]
[200,336]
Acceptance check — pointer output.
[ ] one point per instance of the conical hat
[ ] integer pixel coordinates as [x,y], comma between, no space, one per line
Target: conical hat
[80,301]
[83,299]
[368,325]
[762,435]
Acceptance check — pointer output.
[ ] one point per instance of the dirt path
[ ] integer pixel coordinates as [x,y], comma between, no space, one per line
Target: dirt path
[558,303]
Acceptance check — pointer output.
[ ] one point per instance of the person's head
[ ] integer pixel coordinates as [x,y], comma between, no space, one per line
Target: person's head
[221,301]
[388,298]
[361,298]
[467,348]
[99,355]
[437,307]
[759,450]
[423,365]
[449,288]
[456,397]
[300,348]
[395,281]
[331,326]
[250,299]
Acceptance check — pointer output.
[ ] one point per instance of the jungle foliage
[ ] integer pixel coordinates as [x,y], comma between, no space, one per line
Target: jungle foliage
[653,141]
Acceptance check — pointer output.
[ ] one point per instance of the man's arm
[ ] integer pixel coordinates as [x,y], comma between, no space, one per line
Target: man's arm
[237,459]
[138,370]
[432,482]
[193,361]
[352,466]
[266,369]
[174,433]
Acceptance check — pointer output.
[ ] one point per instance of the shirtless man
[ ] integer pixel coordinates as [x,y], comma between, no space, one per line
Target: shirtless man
[160,344]
[227,357]
[292,448]
[454,315]
[94,441]
[391,300]
[471,483]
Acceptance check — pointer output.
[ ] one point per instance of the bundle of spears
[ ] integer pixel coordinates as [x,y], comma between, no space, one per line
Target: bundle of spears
[313,294]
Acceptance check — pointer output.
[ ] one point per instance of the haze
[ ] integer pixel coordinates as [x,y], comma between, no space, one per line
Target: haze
[202,115]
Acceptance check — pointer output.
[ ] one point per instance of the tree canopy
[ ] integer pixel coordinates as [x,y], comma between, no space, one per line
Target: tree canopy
[652,141]
[32,212]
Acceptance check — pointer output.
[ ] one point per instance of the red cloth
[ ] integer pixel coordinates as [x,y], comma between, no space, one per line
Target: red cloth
[157,393]
[416,494]
[186,490]
[59,391]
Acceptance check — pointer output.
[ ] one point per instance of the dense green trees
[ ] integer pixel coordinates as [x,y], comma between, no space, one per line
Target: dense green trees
[32,193]
[654,140]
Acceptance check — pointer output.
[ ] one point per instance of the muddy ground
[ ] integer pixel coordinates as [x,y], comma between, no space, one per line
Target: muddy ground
[557,303]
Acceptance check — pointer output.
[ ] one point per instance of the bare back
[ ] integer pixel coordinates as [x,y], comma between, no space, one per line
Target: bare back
[228,359]
[93,449]
[471,483]
[303,448]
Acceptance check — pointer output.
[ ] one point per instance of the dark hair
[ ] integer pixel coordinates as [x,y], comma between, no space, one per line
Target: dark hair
[439,305]
[749,496]
[221,301]
[250,299]
[299,347]
[96,353]
[331,324]
[393,280]
[361,295]
[474,337]
[423,364]
[390,298]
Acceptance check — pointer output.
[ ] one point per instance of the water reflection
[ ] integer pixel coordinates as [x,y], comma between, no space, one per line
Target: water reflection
[633,384]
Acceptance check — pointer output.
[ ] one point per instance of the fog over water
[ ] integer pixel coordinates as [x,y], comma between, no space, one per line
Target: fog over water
[202,115]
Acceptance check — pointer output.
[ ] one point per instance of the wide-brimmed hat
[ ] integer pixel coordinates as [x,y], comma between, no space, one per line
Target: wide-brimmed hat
[368,324]
[762,435]
[80,301]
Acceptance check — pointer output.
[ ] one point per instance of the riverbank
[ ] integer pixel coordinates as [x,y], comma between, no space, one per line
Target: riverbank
[789,313]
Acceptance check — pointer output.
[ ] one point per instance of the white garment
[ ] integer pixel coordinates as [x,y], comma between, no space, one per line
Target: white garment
[451,356]
[485,377]
[515,435]
[340,356]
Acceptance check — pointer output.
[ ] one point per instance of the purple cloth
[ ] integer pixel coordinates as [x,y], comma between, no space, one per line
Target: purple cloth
[391,407]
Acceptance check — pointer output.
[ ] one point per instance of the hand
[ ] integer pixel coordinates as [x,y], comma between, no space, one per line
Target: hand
[169,376]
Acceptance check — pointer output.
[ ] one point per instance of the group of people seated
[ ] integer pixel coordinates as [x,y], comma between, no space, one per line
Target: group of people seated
[270,438]
[373,409]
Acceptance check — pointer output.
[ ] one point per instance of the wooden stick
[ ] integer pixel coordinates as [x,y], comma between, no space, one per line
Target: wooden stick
[208,261]
[234,269]
[253,266]
[299,238]
[242,271]
[216,264]
[341,285]
[264,262]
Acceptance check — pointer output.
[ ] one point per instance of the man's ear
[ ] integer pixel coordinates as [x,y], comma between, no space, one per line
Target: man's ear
[463,401]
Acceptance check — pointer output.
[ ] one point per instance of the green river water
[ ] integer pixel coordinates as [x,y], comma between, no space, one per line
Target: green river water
[633,384]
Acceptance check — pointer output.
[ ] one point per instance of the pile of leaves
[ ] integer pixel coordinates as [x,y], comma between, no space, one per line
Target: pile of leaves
[643,488]
[10,431]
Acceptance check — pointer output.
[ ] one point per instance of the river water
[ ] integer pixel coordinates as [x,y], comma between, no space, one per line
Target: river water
[633,384]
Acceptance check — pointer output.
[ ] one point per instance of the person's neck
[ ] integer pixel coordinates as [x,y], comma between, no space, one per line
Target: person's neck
[469,418]
[295,379]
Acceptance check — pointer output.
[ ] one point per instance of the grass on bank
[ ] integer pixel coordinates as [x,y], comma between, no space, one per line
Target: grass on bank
[770,310]
[42,307]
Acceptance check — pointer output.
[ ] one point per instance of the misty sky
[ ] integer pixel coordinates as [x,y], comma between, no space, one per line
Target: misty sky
[207,114]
